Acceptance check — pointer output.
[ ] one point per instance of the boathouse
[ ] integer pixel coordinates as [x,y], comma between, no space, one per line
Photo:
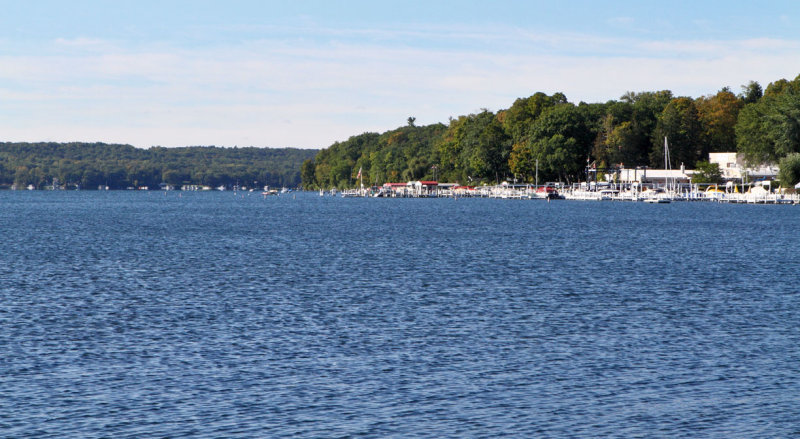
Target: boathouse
[425,188]
[412,188]
[396,189]
[647,176]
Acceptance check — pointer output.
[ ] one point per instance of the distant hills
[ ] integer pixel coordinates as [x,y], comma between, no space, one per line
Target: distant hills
[89,165]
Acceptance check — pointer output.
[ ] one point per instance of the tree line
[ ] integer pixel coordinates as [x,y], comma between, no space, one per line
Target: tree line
[89,165]
[556,139]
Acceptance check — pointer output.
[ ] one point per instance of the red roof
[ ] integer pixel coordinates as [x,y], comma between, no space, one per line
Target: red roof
[430,183]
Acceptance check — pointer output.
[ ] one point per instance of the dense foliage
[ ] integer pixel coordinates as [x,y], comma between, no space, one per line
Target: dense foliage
[550,137]
[769,128]
[119,166]
[789,174]
[706,172]
[404,154]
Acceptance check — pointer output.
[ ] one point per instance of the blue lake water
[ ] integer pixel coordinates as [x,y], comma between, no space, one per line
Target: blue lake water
[131,314]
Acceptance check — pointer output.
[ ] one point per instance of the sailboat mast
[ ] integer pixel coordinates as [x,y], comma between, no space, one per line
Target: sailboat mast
[666,166]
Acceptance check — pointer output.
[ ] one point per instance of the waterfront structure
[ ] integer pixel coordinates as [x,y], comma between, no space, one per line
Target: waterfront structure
[733,167]
[412,189]
[660,177]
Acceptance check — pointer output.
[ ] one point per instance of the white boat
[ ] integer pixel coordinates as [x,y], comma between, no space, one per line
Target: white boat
[351,193]
[608,194]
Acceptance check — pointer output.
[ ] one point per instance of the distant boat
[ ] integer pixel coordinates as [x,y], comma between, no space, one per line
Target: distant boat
[351,193]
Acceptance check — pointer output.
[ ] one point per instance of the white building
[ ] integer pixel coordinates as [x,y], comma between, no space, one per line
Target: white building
[653,176]
[733,167]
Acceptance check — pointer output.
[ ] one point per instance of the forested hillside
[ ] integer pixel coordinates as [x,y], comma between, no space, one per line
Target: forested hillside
[119,166]
[563,138]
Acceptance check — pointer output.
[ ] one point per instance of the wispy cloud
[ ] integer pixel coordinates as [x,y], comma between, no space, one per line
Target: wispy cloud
[312,91]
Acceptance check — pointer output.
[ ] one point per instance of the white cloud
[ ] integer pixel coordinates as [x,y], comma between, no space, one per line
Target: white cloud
[273,92]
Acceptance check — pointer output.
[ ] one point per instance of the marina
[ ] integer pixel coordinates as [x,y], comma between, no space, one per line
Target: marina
[754,194]
[616,183]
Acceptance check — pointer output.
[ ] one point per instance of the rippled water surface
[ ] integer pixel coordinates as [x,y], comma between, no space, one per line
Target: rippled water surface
[219,315]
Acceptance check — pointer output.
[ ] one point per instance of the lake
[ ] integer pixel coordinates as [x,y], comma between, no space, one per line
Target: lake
[152,314]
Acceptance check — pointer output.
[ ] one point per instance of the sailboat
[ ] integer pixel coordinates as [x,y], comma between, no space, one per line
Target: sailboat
[669,189]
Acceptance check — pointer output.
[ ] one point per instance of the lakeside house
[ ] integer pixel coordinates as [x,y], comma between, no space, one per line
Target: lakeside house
[733,167]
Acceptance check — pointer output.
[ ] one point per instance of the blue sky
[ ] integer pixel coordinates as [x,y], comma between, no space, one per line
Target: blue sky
[309,73]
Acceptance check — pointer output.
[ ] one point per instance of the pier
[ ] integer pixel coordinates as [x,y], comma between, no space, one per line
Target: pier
[580,192]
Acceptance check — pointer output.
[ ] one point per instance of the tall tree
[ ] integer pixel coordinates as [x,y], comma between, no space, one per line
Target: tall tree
[751,92]
[718,115]
[560,140]
[769,129]
[680,124]
[475,147]
[789,173]
[645,111]
[307,174]
[559,157]
[518,119]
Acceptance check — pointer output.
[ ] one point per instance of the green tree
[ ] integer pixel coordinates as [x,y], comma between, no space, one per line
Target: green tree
[769,129]
[751,93]
[789,172]
[680,124]
[618,143]
[643,110]
[518,119]
[522,161]
[782,86]
[561,140]
[718,115]
[706,172]
[307,174]
[752,140]
[558,157]
[474,146]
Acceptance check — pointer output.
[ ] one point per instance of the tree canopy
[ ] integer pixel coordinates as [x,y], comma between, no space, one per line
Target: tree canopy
[769,129]
[90,165]
[562,137]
